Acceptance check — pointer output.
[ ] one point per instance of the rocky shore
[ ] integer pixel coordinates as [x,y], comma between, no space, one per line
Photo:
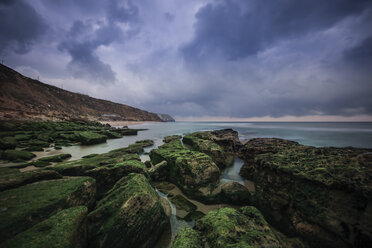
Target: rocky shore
[303,196]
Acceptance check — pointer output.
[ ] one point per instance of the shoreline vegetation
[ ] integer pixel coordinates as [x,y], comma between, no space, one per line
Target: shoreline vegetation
[299,196]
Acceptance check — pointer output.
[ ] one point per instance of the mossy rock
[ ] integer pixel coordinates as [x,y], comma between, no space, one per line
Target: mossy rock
[201,141]
[235,193]
[126,131]
[107,176]
[34,163]
[30,204]
[187,238]
[130,215]
[182,203]
[34,149]
[16,156]
[159,172]
[66,228]
[112,135]
[55,158]
[90,155]
[190,170]
[11,177]
[7,143]
[168,139]
[228,227]
[90,138]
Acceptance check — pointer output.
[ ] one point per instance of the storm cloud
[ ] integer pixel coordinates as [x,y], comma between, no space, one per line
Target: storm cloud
[237,29]
[220,58]
[20,26]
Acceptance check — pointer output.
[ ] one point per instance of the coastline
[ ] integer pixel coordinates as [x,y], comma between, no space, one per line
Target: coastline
[126,123]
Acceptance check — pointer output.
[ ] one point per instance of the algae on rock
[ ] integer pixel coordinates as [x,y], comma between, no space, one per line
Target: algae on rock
[228,227]
[190,170]
[187,238]
[130,215]
[30,204]
[66,228]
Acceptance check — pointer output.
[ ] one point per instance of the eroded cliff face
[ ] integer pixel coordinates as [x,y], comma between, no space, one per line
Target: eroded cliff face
[322,194]
[22,98]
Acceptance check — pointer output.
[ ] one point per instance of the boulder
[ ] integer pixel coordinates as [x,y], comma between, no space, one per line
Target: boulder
[159,171]
[66,229]
[235,193]
[56,158]
[189,170]
[322,194]
[187,238]
[12,178]
[228,139]
[90,138]
[168,139]
[130,215]
[25,206]
[228,227]
[16,156]
[202,142]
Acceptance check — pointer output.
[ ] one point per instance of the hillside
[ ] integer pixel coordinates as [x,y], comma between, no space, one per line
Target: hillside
[23,98]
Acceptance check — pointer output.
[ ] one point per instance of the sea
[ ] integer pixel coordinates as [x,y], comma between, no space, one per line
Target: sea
[336,134]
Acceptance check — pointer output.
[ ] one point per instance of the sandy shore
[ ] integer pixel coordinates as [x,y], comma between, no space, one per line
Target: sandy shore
[126,123]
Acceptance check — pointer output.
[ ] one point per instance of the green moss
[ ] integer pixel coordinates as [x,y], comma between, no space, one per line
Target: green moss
[201,141]
[340,167]
[309,200]
[129,215]
[168,139]
[190,170]
[227,227]
[15,155]
[90,138]
[187,238]
[32,203]
[112,135]
[55,158]
[254,214]
[7,143]
[34,149]
[36,164]
[64,229]
[90,155]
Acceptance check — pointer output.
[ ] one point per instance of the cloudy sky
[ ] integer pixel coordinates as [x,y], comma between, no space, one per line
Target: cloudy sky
[200,59]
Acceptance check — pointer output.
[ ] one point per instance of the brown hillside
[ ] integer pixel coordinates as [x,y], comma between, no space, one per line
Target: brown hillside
[22,98]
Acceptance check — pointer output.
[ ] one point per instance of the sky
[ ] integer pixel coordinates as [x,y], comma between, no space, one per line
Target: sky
[200,59]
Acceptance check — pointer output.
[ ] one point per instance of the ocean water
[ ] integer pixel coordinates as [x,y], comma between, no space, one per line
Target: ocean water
[338,134]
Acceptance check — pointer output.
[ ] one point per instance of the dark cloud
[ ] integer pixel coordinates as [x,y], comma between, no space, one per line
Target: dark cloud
[168,16]
[237,29]
[20,26]
[122,11]
[85,37]
[360,55]
[236,58]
